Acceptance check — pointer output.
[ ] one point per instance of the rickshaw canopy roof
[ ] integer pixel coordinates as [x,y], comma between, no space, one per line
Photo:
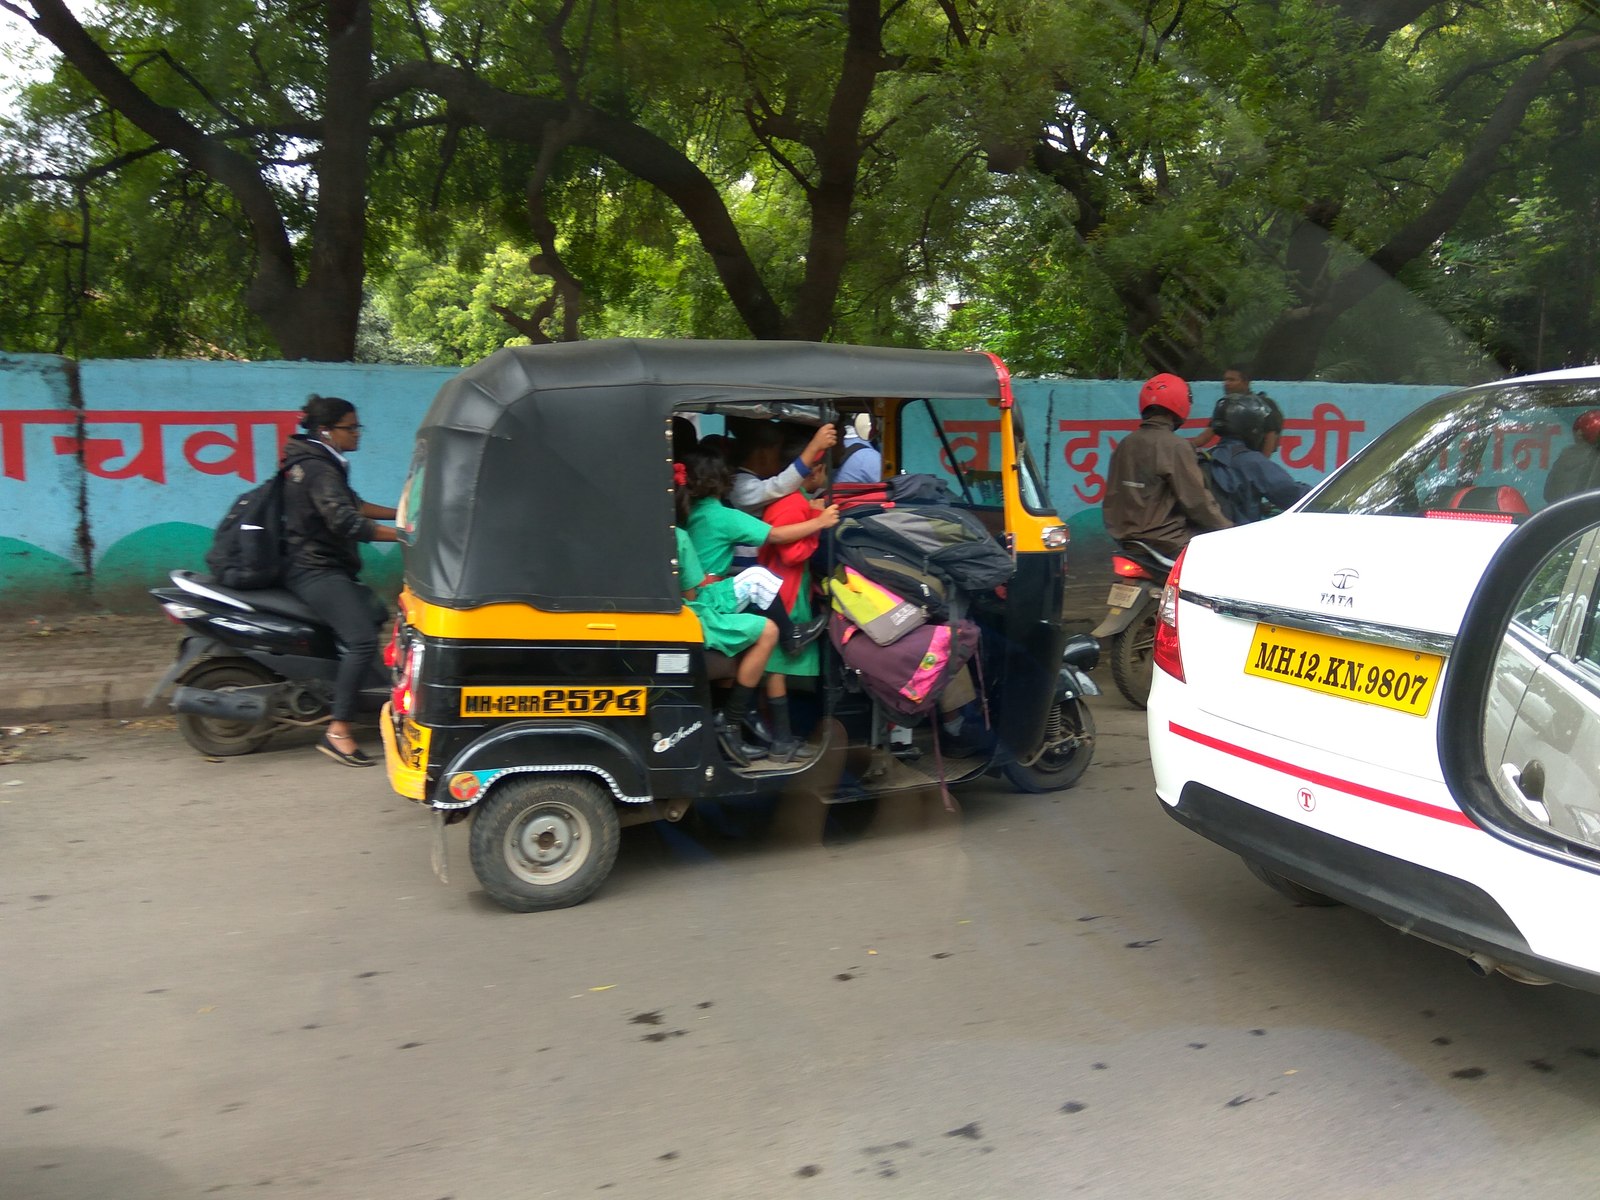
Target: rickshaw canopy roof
[543,474]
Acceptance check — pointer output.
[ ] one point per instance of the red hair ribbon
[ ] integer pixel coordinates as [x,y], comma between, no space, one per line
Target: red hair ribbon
[680,474]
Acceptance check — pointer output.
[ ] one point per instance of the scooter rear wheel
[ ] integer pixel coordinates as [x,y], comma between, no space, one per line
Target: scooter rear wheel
[1133,657]
[214,736]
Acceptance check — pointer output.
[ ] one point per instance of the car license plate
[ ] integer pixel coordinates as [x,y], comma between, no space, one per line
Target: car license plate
[1124,595]
[1387,676]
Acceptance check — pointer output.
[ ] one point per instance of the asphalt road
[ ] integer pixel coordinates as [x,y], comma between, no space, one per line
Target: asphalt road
[242,978]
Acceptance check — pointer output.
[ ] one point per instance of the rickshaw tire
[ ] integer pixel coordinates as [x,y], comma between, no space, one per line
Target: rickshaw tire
[1133,657]
[1054,775]
[541,842]
[1284,886]
[213,736]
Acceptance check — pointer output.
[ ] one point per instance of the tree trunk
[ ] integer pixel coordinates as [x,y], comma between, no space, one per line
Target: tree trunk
[316,320]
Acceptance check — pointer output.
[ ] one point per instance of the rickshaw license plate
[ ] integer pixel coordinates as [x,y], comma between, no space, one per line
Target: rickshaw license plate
[1124,595]
[1387,676]
[600,700]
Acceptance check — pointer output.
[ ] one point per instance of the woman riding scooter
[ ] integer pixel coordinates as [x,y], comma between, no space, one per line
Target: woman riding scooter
[324,522]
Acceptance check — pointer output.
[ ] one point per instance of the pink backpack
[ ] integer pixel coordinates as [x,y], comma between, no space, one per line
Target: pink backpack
[906,676]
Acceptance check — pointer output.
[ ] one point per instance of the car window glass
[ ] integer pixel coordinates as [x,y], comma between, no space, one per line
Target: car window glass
[1494,453]
[1537,612]
[1588,651]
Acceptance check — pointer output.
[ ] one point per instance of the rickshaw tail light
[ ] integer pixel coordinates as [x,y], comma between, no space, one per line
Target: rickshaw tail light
[403,697]
[465,786]
[1168,655]
[1055,537]
[391,652]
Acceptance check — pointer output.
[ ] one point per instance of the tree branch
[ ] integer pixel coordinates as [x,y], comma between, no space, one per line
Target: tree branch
[641,153]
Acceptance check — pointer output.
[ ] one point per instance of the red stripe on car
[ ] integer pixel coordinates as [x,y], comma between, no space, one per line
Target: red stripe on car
[1392,799]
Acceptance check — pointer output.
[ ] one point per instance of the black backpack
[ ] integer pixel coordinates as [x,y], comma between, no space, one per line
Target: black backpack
[247,549]
[936,543]
[1208,467]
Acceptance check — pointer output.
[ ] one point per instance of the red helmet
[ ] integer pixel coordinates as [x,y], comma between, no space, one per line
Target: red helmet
[1587,427]
[1168,392]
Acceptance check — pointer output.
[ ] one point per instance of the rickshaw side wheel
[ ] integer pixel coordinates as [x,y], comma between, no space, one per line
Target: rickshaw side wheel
[1071,732]
[544,841]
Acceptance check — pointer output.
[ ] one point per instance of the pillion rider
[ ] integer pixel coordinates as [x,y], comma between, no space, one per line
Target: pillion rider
[1155,492]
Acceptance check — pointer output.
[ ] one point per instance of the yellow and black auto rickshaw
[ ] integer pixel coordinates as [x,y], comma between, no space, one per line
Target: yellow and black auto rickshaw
[549,679]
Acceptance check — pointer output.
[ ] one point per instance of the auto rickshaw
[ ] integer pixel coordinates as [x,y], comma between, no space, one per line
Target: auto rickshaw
[549,679]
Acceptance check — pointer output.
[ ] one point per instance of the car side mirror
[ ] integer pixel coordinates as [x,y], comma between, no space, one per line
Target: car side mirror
[1519,709]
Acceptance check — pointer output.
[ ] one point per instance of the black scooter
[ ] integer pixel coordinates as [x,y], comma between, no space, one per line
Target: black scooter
[254,663]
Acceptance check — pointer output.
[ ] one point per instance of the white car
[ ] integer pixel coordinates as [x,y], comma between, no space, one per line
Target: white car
[1303,662]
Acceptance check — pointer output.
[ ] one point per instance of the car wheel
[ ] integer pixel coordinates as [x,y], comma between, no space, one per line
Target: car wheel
[544,841]
[1283,885]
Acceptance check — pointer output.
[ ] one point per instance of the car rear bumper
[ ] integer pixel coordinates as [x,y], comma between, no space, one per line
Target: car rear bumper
[1415,899]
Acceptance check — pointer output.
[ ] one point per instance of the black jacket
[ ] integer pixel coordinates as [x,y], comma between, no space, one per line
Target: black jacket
[321,513]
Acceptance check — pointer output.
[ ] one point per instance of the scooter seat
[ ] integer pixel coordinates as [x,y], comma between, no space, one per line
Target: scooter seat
[274,600]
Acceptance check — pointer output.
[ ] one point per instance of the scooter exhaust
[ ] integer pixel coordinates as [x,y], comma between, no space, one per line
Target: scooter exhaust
[226,706]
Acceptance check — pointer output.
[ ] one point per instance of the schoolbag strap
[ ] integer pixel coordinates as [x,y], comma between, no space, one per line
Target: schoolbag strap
[938,766]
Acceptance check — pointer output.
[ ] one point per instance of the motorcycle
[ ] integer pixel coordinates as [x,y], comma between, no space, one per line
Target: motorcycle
[1130,624]
[253,664]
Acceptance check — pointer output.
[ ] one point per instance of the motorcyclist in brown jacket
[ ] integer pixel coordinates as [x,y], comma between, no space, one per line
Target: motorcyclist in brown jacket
[1154,490]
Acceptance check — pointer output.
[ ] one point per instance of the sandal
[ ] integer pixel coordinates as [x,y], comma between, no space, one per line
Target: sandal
[355,758]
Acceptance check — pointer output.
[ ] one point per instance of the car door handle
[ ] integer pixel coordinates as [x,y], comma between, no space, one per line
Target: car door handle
[1529,784]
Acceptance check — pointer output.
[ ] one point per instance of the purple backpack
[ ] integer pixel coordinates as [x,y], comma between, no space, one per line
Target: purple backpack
[906,676]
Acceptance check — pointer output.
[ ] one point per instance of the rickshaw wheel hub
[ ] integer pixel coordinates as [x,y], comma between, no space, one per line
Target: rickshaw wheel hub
[547,838]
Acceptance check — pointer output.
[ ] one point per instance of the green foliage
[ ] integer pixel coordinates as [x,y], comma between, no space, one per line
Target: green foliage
[1090,189]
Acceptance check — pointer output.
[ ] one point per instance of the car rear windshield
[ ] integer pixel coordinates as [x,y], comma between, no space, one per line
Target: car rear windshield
[1494,453]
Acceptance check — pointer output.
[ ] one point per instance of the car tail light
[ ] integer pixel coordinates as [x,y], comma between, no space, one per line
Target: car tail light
[1168,655]
[403,698]
[1129,569]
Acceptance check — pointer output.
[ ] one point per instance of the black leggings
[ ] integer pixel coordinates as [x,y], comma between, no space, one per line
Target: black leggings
[355,612]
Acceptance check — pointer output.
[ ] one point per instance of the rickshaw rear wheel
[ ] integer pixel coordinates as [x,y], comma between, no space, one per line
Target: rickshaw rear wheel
[212,735]
[544,841]
[1069,747]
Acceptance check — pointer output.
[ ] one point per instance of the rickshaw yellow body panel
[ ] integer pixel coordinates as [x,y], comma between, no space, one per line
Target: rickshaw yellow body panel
[408,773]
[523,622]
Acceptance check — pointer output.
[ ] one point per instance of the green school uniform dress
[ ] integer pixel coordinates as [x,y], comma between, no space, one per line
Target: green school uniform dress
[716,529]
[726,630]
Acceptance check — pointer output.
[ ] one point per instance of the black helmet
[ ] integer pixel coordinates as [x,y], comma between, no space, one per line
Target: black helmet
[1248,417]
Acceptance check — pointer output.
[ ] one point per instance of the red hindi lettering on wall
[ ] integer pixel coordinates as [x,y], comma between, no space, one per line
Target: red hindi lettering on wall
[106,454]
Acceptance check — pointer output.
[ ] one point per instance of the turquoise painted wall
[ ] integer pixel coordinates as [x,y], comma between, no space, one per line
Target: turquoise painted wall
[114,472]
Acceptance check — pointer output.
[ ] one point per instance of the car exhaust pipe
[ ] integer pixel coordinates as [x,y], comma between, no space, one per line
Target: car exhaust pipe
[225,706]
[1483,966]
